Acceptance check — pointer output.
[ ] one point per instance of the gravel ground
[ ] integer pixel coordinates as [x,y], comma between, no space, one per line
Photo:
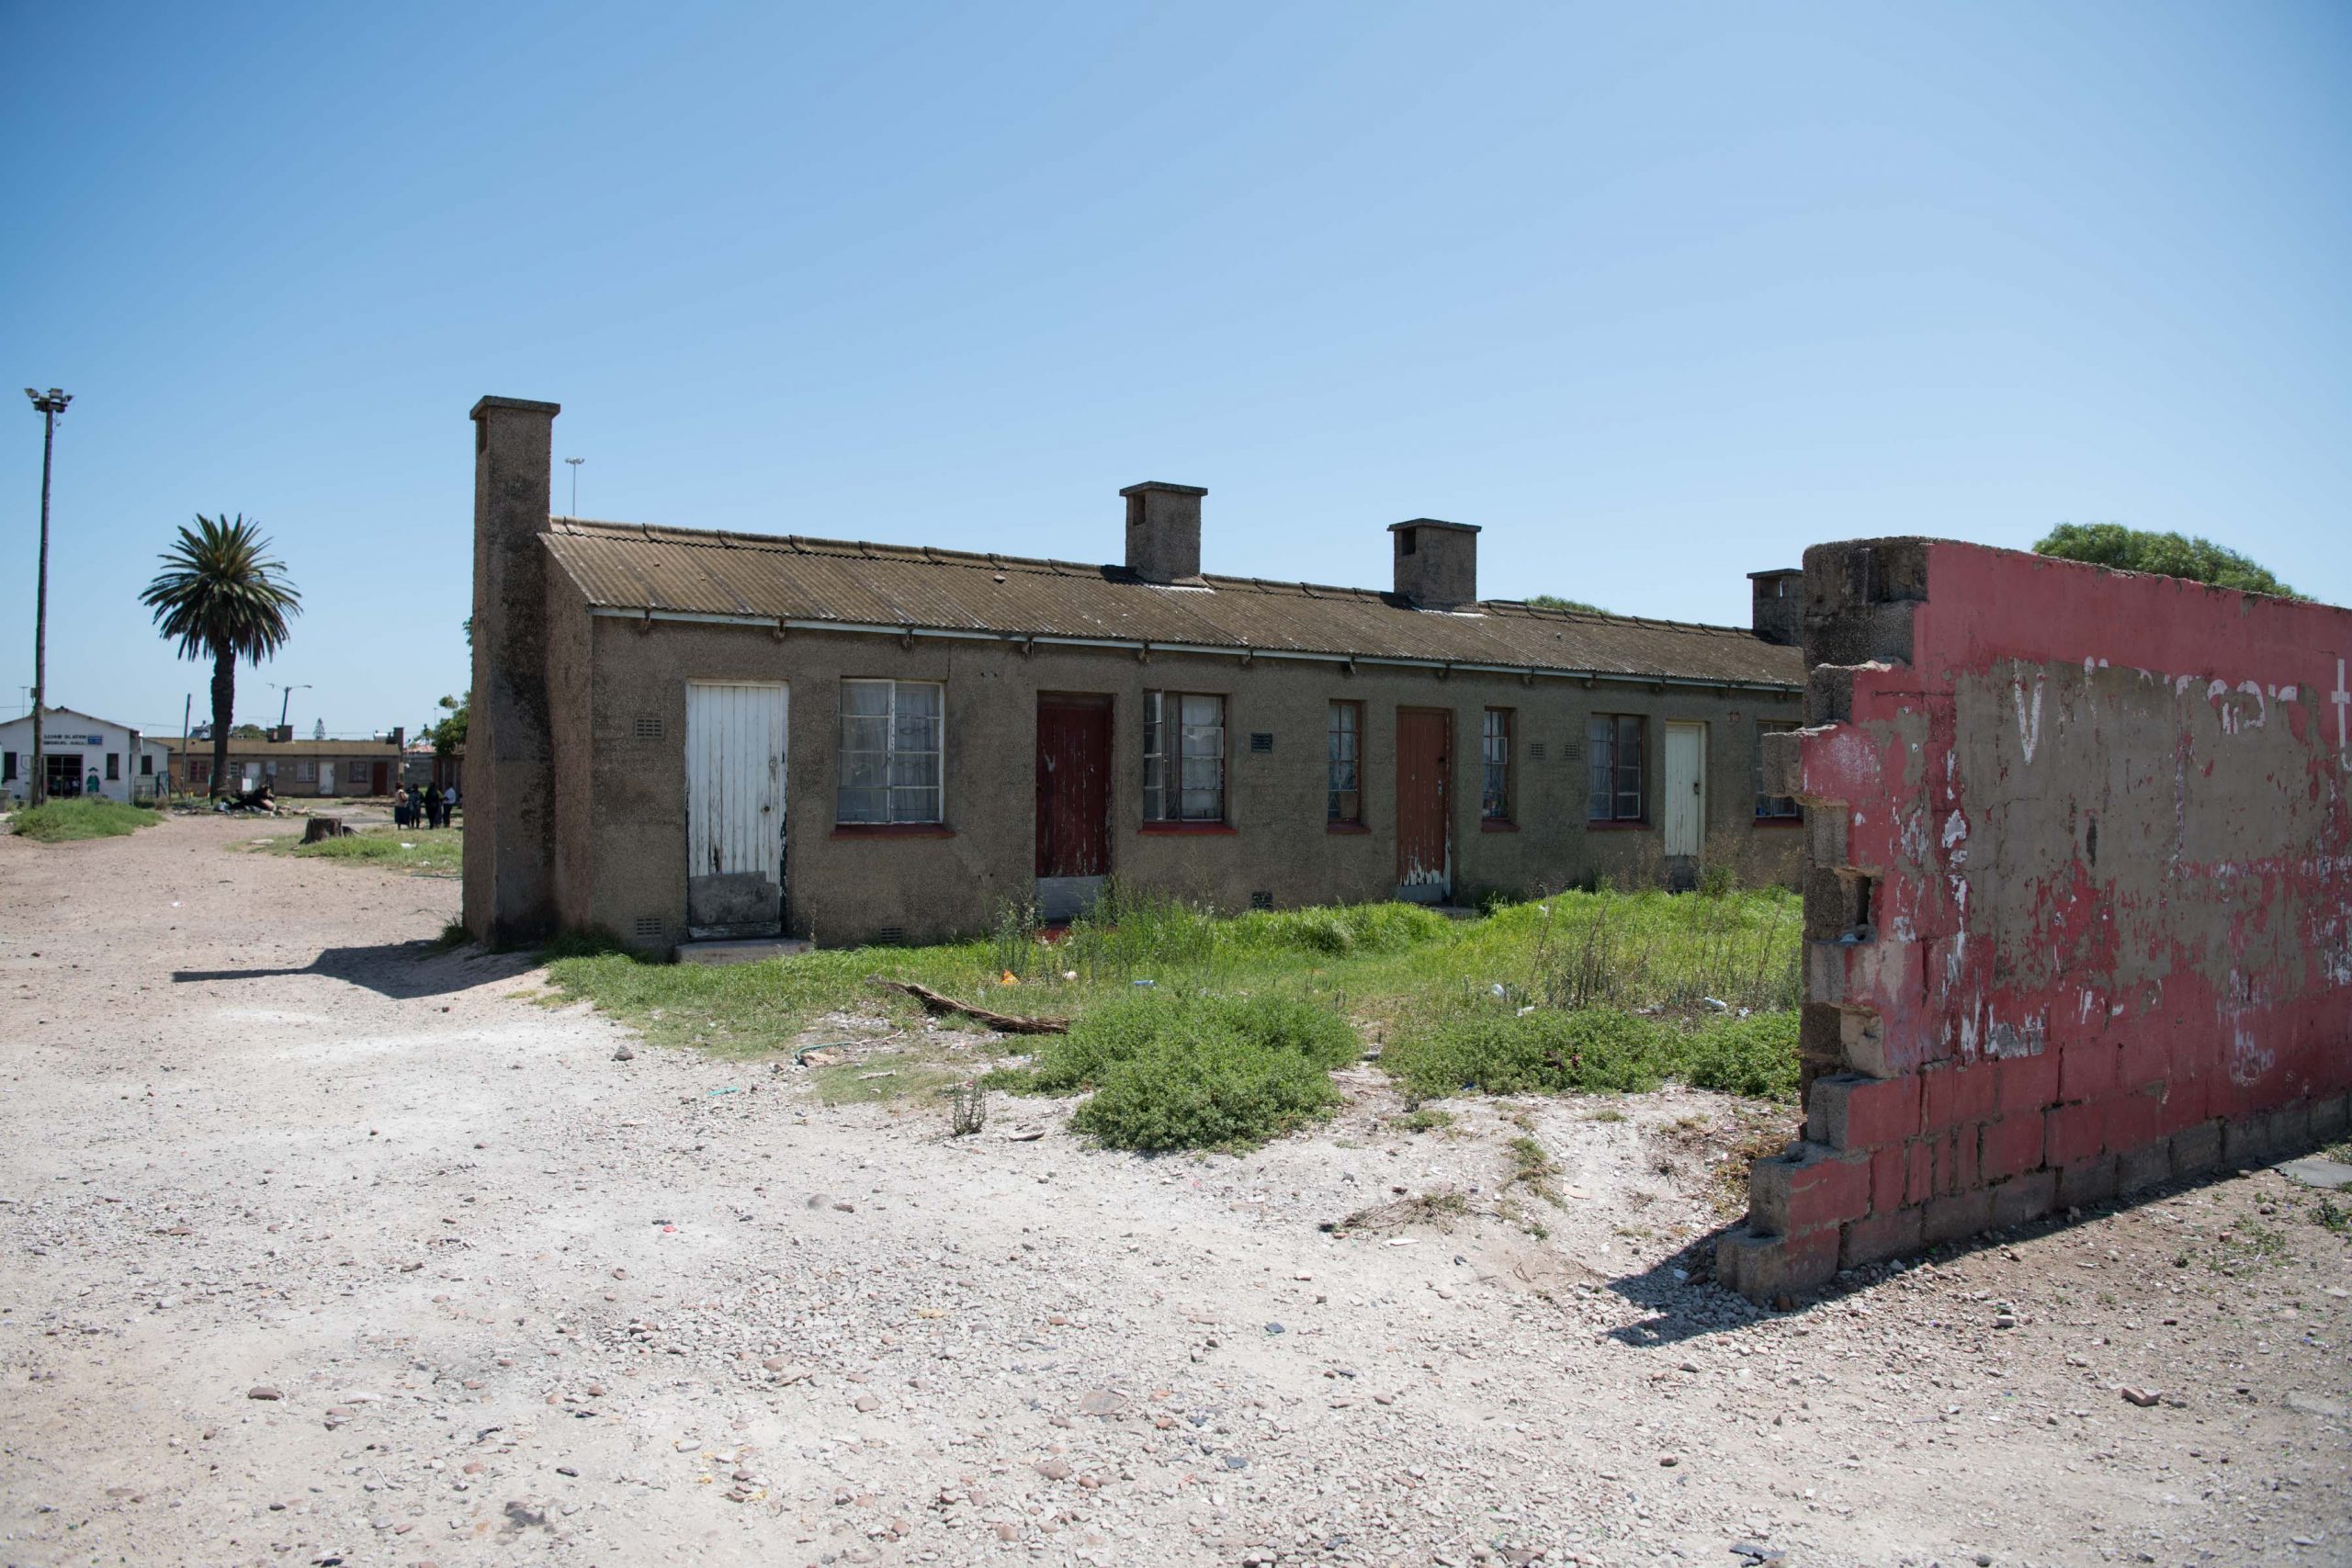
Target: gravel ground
[322,1247]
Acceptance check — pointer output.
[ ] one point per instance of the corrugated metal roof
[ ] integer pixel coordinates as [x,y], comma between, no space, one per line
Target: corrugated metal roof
[687,572]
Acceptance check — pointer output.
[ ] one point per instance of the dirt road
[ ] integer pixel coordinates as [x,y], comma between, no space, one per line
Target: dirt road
[322,1248]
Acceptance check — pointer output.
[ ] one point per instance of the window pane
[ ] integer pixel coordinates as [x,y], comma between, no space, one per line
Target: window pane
[862,804]
[872,697]
[1202,773]
[1203,710]
[914,770]
[913,732]
[864,770]
[864,734]
[1600,767]
[1203,806]
[914,805]
[919,698]
[1347,806]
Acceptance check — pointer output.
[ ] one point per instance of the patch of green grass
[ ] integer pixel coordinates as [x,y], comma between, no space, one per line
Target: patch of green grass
[60,821]
[891,1074]
[1423,1120]
[419,852]
[2331,1215]
[1593,1050]
[1444,994]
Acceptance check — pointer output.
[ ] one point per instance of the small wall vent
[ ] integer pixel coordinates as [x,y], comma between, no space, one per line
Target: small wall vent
[1261,740]
[651,926]
[889,936]
[648,728]
[1536,750]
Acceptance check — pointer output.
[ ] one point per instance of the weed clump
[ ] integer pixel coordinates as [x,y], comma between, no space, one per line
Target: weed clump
[1593,1050]
[1181,1072]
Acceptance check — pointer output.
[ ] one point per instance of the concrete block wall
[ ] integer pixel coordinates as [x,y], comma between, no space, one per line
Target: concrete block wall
[2078,896]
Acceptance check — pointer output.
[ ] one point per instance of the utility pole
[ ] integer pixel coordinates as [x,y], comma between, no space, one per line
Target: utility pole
[187,770]
[575,463]
[49,404]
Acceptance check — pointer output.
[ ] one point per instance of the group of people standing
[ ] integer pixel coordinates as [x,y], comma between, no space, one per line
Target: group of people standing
[427,807]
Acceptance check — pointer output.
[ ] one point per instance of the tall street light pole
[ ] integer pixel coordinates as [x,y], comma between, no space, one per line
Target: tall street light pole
[575,463]
[287,700]
[49,404]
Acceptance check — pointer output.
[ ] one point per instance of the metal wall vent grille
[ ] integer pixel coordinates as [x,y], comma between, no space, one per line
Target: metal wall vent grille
[648,728]
[1260,740]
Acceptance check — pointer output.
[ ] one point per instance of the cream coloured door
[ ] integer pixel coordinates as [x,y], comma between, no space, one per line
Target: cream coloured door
[1686,788]
[735,771]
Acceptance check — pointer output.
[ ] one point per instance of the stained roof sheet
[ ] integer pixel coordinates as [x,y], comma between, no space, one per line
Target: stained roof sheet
[681,571]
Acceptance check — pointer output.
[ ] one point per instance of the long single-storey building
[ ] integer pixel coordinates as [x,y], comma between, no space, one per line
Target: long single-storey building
[680,734]
[297,769]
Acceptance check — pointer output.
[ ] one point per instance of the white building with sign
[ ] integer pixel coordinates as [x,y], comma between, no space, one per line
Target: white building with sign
[83,756]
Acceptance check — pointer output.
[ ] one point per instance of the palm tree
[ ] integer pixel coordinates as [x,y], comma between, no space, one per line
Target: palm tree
[222,595]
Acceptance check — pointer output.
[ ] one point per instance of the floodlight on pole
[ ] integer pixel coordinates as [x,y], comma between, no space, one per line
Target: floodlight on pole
[49,405]
[575,463]
[286,700]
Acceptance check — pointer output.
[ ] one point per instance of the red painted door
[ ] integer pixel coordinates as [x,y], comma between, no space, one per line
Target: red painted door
[1073,786]
[383,779]
[1424,817]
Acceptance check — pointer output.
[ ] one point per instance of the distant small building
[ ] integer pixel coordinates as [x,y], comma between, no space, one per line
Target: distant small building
[423,764]
[297,768]
[83,755]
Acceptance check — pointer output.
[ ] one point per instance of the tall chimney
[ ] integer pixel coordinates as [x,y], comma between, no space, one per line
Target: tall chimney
[1777,609]
[1437,563]
[510,778]
[1164,531]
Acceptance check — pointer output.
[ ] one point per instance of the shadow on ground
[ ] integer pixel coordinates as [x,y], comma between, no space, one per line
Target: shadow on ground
[403,970]
[1686,1303]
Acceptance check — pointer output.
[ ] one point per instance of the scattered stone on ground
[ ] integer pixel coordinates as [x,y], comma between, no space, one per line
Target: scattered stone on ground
[597,1315]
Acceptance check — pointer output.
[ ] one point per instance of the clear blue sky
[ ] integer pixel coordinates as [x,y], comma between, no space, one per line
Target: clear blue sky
[1658,295]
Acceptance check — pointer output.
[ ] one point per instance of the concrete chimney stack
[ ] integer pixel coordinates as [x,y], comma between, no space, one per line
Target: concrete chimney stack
[1437,563]
[1776,608]
[1164,531]
[510,774]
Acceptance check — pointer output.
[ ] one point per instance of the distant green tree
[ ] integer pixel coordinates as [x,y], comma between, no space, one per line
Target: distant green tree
[449,735]
[2167,555]
[224,598]
[248,732]
[1554,602]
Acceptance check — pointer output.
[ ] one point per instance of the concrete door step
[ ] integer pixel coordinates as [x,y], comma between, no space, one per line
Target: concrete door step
[2318,1170]
[745,950]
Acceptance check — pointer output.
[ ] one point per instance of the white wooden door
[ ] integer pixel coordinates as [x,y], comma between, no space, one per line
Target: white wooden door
[1686,788]
[735,771]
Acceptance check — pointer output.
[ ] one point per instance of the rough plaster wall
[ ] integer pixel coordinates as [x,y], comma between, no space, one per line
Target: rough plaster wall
[571,748]
[2078,900]
[846,889]
[509,784]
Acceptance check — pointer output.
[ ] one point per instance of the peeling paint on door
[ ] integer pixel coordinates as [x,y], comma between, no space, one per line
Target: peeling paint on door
[1424,814]
[735,784]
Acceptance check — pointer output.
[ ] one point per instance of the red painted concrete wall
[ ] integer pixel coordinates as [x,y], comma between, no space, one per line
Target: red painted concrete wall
[2078,902]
